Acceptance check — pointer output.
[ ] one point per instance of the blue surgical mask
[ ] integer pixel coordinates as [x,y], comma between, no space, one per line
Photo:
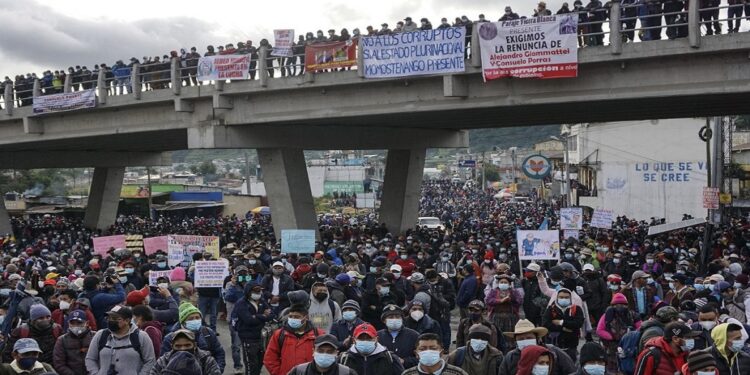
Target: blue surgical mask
[563,302]
[193,325]
[394,324]
[503,286]
[737,345]
[478,345]
[384,290]
[671,286]
[594,369]
[161,264]
[365,347]
[429,357]
[737,285]
[294,323]
[324,360]
[650,281]
[524,343]
[689,345]
[540,370]
[699,287]
[349,315]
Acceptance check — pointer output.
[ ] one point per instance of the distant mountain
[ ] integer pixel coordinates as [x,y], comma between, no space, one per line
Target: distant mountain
[479,140]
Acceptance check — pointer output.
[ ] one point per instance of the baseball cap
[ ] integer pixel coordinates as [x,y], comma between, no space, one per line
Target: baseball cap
[365,329]
[326,339]
[78,315]
[680,330]
[416,277]
[391,310]
[588,267]
[184,332]
[137,297]
[532,267]
[396,268]
[123,312]
[639,275]
[277,263]
[355,275]
[26,345]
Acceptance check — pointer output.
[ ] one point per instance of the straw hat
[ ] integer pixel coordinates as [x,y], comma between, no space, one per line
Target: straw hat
[525,326]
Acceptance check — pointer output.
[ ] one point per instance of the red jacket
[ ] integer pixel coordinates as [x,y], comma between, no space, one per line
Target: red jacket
[407,266]
[59,317]
[669,362]
[529,356]
[296,350]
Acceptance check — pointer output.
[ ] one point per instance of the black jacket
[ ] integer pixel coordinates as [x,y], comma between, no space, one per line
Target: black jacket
[402,345]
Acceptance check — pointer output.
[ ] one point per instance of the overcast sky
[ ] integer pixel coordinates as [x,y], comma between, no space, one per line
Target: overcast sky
[36,35]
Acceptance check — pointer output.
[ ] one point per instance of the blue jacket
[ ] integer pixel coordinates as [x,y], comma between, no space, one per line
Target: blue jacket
[233,293]
[248,322]
[102,302]
[207,341]
[467,291]
[342,329]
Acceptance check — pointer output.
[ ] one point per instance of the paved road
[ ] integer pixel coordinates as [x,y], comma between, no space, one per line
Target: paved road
[223,329]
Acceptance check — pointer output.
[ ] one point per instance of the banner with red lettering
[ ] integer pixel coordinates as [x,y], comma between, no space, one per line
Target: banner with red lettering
[330,55]
[212,68]
[541,47]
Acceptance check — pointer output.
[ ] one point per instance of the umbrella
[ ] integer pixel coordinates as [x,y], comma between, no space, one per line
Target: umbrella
[263,210]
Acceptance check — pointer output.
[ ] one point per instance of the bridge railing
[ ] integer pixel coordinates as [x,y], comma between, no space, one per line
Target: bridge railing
[620,28]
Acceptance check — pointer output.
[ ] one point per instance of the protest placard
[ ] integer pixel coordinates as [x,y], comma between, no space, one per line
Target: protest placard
[155,275]
[187,245]
[68,101]
[421,52]
[298,241]
[570,233]
[283,42]
[538,244]
[602,219]
[153,244]
[103,244]
[211,68]
[331,55]
[539,47]
[210,273]
[571,218]
[711,198]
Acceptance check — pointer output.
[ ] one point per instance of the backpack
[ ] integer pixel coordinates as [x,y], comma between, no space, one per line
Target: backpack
[656,354]
[135,341]
[57,331]
[345,356]
[302,370]
[629,344]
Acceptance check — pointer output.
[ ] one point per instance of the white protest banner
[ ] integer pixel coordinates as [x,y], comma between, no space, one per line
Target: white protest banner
[602,219]
[568,234]
[540,47]
[414,53]
[153,244]
[283,42]
[211,68]
[103,244]
[68,101]
[571,218]
[155,275]
[298,241]
[538,244]
[210,273]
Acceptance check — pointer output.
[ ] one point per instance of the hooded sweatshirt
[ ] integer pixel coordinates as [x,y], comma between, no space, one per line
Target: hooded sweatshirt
[321,315]
[529,356]
[739,363]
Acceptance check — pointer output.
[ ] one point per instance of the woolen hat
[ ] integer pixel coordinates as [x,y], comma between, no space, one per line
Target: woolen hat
[700,359]
[183,363]
[186,309]
[38,311]
[480,332]
[619,299]
[592,351]
[351,304]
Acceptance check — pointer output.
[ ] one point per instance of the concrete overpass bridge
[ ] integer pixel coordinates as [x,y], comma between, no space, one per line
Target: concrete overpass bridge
[281,117]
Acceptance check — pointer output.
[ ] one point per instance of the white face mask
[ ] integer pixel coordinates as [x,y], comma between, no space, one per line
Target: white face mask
[524,343]
[708,325]
[64,305]
[417,315]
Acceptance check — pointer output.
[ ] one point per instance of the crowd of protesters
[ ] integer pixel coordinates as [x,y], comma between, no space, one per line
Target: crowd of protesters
[368,301]
[154,72]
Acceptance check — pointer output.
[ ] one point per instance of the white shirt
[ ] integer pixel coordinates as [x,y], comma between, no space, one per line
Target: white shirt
[275,289]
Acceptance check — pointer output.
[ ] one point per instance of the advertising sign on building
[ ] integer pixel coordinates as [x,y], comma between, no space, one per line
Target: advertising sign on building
[539,47]
[414,53]
[536,167]
[332,55]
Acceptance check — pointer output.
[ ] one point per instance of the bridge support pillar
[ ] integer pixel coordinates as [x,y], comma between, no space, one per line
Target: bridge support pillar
[401,189]
[5,227]
[104,197]
[288,189]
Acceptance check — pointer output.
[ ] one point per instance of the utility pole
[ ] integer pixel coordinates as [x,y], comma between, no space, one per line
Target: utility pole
[247,172]
[712,179]
[148,174]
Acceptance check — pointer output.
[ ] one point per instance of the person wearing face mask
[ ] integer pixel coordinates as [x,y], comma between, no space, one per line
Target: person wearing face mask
[444,264]
[734,300]
[468,290]
[178,283]
[477,356]
[407,263]
[169,311]
[344,328]
[536,360]
[324,359]
[428,351]
[40,328]
[396,337]
[189,317]
[184,349]
[526,336]
[679,291]
[133,276]
[401,283]
[640,295]
[67,302]
[599,293]
[291,344]
[476,316]
[375,300]
[233,291]
[70,349]
[564,320]
[120,348]
[367,356]
[249,315]
[25,360]
[728,347]
[509,15]
[277,286]
[419,320]
[652,266]
[102,300]
[503,303]
[665,355]
[143,318]
[614,324]
[700,362]
[323,311]
[534,301]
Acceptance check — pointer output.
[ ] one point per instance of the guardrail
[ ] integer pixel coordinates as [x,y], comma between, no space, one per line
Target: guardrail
[620,28]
